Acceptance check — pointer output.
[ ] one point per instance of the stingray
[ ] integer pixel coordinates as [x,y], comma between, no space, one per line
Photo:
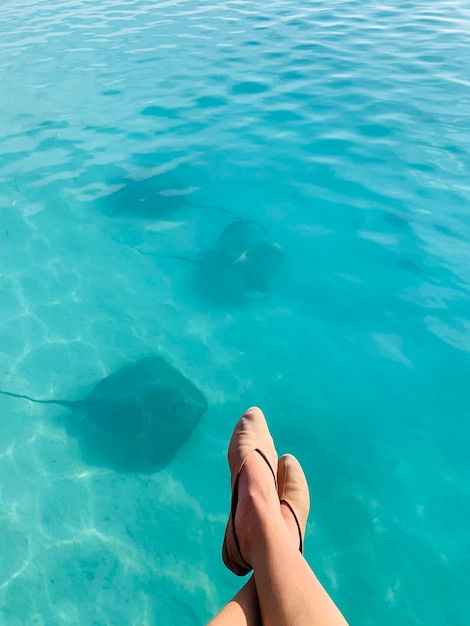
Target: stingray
[157,197]
[135,419]
[142,198]
[243,263]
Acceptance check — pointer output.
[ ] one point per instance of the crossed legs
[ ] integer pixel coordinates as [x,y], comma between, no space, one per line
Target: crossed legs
[283,591]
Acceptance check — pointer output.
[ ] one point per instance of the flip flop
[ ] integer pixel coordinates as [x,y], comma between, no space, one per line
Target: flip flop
[250,434]
[292,488]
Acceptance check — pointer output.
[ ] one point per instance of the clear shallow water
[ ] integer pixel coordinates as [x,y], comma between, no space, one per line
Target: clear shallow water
[341,127]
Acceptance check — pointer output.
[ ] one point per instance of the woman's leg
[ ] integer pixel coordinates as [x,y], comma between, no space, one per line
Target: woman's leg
[242,610]
[288,591]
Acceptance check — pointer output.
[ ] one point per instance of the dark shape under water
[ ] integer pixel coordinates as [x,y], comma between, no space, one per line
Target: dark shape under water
[153,198]
[409,266]
[397,219]
[244,262]
[144,198]
[137,418]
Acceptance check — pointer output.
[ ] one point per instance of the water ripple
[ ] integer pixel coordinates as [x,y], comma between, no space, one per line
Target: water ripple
[341,127]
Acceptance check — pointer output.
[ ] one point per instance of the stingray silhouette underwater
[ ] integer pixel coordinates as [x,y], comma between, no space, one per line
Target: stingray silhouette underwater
[243,263]
[156,197]
[141,199]
[135,419]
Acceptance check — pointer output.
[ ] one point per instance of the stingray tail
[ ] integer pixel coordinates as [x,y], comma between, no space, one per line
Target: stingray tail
[38,401]
[158,255]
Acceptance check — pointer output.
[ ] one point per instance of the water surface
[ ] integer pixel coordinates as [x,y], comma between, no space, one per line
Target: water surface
[341,128]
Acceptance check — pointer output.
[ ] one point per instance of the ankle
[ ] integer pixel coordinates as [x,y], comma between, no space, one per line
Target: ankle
[256,529]
[291,525]
[258,505]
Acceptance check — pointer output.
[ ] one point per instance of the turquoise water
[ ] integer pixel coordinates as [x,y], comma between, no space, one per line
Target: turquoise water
[340,127]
